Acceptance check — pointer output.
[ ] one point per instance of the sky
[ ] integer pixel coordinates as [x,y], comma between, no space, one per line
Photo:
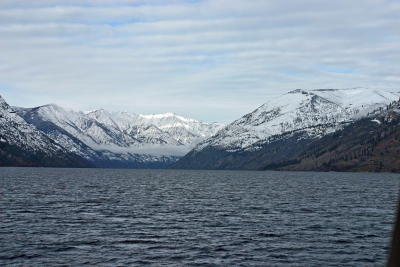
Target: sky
[213,60]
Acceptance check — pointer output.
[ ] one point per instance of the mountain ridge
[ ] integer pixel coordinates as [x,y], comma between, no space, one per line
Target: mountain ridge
[120,139]
[369,144]
[22,144]
[282,134]
[284,125]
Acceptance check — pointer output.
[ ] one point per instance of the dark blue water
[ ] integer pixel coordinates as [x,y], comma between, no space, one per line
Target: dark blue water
[51,217]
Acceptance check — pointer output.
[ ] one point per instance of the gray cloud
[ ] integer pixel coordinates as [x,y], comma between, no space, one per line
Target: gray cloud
[213,60]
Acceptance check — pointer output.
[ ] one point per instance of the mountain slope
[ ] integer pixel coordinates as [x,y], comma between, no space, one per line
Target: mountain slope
[21,144]
[369,144]
[120,139]
[283,127]
[184,130]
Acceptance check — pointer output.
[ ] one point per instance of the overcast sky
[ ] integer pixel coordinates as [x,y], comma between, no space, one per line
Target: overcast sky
[212,60]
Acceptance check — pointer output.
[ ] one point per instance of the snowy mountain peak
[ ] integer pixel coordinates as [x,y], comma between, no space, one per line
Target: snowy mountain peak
[3,103]
[17,132]
[51,108]
[119,133]
[298,91]
[22,144]
[51,105]
[167,117]
[315,112]
[158,116]
[5,107]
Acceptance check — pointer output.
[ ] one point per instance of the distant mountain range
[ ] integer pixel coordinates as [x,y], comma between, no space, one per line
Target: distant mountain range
[325,129]
[110,139]
[287,132]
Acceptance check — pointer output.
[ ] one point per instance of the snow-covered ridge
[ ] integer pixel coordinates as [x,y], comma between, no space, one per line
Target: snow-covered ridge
[15,131]
[121,132]
[164,115]
[315,112]
[185,131]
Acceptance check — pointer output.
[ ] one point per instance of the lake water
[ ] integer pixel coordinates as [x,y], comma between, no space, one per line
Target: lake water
[104,217]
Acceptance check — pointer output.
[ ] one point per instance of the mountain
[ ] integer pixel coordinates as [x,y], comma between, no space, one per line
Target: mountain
[284,127]
[21,144]
[369,144]
[120,139]
[185,131]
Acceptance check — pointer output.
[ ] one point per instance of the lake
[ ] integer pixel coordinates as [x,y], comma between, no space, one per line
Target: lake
[107,217]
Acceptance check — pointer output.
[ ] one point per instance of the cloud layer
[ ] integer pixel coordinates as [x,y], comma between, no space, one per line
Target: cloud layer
[212,60]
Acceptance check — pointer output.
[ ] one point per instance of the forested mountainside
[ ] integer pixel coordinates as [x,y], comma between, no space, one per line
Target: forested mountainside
[369,144]
[279,132]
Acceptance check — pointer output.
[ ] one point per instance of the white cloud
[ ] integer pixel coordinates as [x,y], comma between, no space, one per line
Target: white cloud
[213,60]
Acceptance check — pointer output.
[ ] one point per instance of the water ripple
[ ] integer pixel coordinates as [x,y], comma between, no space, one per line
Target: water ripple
[54,217]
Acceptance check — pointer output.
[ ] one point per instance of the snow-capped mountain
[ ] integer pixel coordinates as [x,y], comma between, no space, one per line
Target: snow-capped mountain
[167,128]
[305,110]
[21,144]
[283,126]
[115,138]
[186,131]
[369,144]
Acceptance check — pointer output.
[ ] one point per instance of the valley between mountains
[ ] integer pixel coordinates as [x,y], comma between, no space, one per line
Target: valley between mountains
[98,138]
[324,129]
